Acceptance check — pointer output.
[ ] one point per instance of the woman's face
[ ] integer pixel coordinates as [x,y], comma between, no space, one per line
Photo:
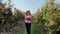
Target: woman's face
[28,13]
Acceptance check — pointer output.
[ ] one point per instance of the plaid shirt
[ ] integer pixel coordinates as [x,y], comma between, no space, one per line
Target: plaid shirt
[28,18]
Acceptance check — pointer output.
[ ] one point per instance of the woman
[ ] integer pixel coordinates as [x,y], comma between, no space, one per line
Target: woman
[28,18]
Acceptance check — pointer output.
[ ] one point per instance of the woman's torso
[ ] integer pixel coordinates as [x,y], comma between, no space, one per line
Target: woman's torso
[28,18]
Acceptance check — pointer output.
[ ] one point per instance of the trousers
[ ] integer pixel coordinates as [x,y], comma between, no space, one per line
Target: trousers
[28,27]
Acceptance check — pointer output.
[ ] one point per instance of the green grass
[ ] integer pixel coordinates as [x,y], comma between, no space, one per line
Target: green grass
[34,29]
[22,30]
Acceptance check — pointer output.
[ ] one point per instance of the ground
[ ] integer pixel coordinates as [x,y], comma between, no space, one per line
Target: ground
[19,29]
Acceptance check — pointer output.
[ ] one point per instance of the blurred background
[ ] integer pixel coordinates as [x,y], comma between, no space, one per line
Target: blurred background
[46,16]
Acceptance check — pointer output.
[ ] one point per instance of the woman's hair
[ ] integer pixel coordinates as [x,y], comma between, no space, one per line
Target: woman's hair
[28,12]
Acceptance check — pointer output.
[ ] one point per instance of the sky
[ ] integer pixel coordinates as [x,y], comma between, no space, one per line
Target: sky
[32,5]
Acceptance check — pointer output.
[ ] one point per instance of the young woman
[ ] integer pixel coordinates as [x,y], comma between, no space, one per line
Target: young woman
[28,18]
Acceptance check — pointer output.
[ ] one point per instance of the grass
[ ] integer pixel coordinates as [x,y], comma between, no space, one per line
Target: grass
[34,29]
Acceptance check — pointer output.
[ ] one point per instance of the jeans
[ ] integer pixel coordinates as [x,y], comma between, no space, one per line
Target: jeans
[28,27]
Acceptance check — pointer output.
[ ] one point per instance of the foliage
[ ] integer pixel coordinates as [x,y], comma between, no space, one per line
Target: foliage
[7,19]
[18,14]
[48,17]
